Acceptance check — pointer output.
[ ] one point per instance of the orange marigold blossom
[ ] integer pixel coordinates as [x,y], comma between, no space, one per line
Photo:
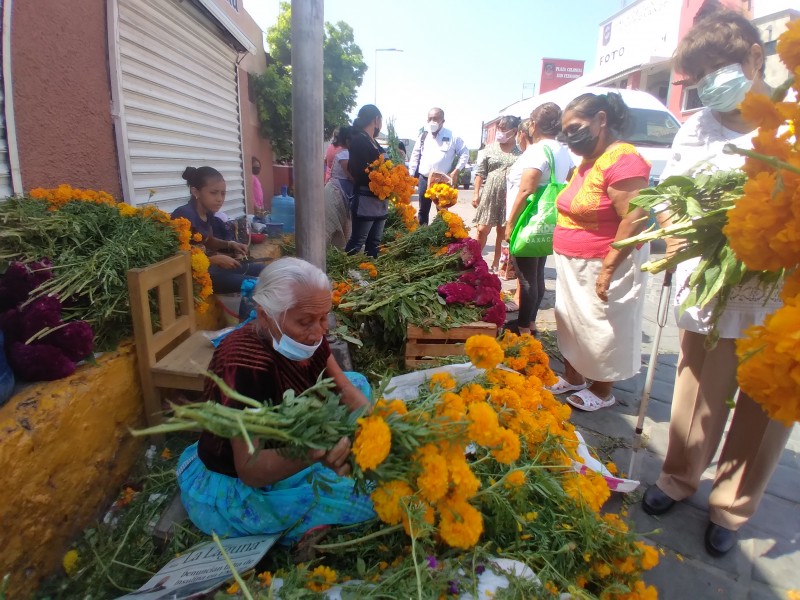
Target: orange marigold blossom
[321,579]
[460,523]
[432,480]
[372,443]
[388,499]
[483,351]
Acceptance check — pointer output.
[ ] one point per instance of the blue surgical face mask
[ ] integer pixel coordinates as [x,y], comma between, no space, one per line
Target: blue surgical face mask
[724,89]
[292,349]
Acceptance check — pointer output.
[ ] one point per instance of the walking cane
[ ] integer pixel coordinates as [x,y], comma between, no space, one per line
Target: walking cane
[661,321]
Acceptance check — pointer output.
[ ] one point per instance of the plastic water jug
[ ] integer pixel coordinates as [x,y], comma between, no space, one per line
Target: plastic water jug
[283,210]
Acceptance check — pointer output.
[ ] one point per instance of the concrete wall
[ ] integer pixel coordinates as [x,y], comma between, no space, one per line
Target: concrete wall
[65,451]
[62,95]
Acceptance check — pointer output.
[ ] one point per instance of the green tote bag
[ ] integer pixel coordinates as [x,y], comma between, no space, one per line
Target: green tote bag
[533,233]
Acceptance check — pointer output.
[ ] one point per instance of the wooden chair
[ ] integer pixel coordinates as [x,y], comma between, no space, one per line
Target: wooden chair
[175,356]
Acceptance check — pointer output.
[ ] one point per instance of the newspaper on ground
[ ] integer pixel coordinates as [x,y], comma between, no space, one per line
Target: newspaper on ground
[203,569]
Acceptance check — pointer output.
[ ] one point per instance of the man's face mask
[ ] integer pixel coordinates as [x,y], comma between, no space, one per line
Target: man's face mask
[724,89]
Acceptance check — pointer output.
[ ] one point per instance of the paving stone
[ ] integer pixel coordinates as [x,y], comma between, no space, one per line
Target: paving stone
[785,483]
[696,580]
[760,591]
[682,530]
[778,518]
[776,562]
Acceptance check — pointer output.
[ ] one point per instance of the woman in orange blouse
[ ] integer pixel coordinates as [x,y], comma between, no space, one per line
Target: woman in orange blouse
[599,290]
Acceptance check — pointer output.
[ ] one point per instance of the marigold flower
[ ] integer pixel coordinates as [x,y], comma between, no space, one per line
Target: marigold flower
[509,447]
[515,479]
[788,45]
[460,524]
[265,578]
[232,589]
[372,442]
[432,481]
[70,562]
[483,351]
[442,380]
[321,579]
[649,558]
[484,425]
[384,408]
[387,500]
[464,482]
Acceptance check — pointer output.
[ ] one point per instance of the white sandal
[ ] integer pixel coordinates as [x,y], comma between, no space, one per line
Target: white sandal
[591,401]
[562,386]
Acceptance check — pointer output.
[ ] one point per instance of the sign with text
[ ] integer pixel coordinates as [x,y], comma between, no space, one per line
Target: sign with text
[644,30]
[558,71]
[203,569]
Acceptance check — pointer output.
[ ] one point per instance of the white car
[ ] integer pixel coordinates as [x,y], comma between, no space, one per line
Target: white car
[652,129]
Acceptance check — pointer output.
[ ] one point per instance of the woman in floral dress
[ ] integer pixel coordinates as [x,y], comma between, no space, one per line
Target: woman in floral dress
[490,184]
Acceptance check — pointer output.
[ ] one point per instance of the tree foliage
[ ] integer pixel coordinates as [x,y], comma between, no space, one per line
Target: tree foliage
[343,72]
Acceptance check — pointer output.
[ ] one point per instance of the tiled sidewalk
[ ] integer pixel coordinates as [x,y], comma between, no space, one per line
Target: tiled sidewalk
[766,562]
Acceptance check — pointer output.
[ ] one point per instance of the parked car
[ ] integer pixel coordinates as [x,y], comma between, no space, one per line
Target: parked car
[652,128]
[467,177]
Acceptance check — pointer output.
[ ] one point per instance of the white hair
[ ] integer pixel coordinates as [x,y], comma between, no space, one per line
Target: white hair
[277,284]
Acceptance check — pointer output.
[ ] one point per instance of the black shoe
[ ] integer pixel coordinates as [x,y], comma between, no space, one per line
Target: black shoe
[512,326]
[655,502]
[719,540]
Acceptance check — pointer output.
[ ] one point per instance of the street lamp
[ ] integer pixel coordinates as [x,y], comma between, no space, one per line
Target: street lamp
[375,98]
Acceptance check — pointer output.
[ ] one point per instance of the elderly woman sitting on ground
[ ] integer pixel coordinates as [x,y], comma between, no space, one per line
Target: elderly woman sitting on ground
[223,487]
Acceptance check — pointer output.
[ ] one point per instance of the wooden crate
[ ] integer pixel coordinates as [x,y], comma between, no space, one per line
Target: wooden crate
[424,348]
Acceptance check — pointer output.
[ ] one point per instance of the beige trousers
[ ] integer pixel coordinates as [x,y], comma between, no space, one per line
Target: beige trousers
[706,381]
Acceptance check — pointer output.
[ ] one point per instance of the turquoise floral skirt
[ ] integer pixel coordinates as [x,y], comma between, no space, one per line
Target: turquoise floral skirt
[315,496]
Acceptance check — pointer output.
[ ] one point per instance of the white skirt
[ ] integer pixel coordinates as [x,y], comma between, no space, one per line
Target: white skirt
[601,340]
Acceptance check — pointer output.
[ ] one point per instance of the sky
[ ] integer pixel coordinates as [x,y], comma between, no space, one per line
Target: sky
[471,58]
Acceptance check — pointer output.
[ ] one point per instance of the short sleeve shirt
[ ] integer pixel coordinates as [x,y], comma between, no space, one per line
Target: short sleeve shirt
[587,221]
[189,211]
[250,365]
[534,157]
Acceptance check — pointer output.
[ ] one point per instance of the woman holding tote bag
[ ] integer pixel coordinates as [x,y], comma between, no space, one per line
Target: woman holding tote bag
[543,160]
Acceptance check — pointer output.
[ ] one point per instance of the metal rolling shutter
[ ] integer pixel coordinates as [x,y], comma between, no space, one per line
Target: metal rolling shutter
[5,168]
[180,99]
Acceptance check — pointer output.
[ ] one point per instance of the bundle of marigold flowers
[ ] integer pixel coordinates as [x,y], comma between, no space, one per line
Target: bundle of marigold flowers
[442,195]
[764,231]
[389,181]
[462,474]
[92,242]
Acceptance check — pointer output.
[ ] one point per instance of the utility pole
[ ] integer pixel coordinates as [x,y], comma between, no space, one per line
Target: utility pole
[307,129]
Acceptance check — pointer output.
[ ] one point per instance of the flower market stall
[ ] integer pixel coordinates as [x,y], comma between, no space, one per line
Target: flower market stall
[466,476]
[65,319]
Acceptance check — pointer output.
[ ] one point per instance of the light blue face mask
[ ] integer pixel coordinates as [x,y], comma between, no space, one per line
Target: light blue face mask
[724,89]
[292,349]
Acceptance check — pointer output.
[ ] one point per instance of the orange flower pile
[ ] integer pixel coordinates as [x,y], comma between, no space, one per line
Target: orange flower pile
[369,269]
[63,194]
[442,195]
[389,181]
[764,231]
[339,290]
[392,182]
[455,225]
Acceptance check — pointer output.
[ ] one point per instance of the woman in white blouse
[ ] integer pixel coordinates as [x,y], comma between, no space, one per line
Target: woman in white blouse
[722,54]
[531,170]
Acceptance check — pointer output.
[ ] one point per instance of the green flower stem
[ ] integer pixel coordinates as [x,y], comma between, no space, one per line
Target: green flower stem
[242,585]
[356,541]
[770,160]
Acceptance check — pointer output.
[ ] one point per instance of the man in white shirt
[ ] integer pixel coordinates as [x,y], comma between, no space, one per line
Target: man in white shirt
[436,150]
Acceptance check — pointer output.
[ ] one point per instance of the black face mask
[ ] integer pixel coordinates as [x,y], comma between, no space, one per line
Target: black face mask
[582,142]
